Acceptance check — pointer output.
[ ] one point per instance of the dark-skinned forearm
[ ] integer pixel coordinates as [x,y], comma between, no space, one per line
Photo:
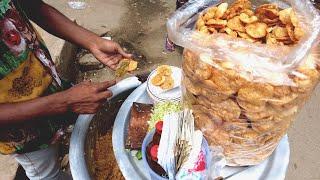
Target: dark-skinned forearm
[57,24]
[11,113]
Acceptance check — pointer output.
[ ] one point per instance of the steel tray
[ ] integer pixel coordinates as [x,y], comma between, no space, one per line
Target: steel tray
[274,168]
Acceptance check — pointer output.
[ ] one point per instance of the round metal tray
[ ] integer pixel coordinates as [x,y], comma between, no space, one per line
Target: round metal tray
[274,168]
[89,127]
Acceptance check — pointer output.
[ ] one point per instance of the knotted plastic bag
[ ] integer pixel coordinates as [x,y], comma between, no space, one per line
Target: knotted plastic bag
[245,92]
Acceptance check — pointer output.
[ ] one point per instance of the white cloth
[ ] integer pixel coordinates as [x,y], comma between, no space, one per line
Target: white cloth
[42,164]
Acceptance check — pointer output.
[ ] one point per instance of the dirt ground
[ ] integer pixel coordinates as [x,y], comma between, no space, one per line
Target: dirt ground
[139,25]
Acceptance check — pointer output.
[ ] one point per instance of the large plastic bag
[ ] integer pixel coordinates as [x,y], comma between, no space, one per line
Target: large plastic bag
[245,95]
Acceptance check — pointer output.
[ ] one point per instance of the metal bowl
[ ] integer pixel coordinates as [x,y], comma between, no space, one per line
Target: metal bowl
[89,128]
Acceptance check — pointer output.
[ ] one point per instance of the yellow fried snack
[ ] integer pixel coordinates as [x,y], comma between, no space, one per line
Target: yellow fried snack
[158,80]
[236,126]
[168,83]
[257,30]
[204,30]
[191,87]
[269,10]
[283,100]
[248,137]
[220,84]
[280,33]
[236,24]
[218,136]
[216,23]
[163,77]
[188,71]
[203,71]
[294,19]
[280,91]
[305,79]
[200,108]
[210,14]
[222,8]
[271,40]
[284,16]
[263,126]
[236,8]
[212,10]
[267,24]
[164,70]
[260,116]
[247,12]
[200,23]
[122,68]
[247,37]
[268,13]
[291,32]
[256,93]
[249,107]
[298,33]
[189,58]
[229,32]
[132,65]
[203,121]
[126,65]
[213,96]
[204,101]
[212,30]
[245,18]
[233,107]
[227,110]
[286,113]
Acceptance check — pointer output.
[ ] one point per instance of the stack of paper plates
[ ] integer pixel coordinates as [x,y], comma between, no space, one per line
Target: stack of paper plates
[157,94]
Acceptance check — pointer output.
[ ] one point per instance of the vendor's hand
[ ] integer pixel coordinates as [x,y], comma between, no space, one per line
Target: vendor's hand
[87,97]
[108,52]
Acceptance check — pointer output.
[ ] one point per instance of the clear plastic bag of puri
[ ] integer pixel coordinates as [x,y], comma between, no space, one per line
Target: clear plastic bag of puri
[248,68]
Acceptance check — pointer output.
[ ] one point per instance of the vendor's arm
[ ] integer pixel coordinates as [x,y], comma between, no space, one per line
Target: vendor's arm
[47,17]
[84,98]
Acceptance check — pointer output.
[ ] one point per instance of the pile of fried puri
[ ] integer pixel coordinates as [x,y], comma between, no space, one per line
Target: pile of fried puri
[267,24]
[245,117]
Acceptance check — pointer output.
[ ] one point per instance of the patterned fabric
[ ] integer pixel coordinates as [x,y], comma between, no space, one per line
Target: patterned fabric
[26,72]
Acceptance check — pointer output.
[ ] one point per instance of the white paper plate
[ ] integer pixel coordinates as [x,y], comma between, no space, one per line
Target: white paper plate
[158,94]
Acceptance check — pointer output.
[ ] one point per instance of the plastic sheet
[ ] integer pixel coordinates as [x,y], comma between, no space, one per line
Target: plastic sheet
[245,95]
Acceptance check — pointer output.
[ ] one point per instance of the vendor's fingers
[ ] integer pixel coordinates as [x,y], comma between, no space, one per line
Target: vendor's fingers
[86,108]
[113,67]
[105,85]
[102,57]
[123,53]
[115,59]
[104,95]
[108,59]
[112,61]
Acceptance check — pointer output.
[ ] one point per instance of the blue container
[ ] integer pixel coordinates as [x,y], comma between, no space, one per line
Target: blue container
[154,175]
